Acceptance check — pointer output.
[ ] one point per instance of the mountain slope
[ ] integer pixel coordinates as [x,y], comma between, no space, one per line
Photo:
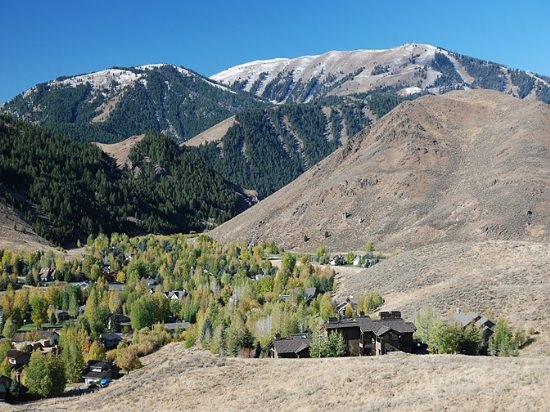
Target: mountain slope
[67,190]
[267,149]
[406,69]
[111,105]
[467,165]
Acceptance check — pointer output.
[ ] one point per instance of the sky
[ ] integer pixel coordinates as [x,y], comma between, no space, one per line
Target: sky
[43,40]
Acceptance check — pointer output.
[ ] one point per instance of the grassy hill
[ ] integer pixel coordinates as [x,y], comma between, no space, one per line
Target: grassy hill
[179,379]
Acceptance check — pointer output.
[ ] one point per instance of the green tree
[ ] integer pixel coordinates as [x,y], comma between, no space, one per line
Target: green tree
[326,307]
[369,247]
[39,309]
[348,313]
[334,345]
[96,352]
[502,341]
[470,340]
[45,375]
[71,353]
[142,313]
[9,328]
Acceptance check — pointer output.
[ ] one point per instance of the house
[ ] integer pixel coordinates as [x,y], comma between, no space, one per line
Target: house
[366,336]
[17,358]
[473,318]
[111,339]
[308,294]
[61,315]
[36,335]
[176,294]
[117,321]
[175,326]
[116,286]
[341,307]
[338,260]
[46,275]
[295,346]
[357,261]
[98,370]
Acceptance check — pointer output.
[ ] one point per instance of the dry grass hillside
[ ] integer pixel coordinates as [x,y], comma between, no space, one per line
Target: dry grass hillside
[467,165]
[120,151]
[509,278]
[214,134]
[16,234]
[179,379]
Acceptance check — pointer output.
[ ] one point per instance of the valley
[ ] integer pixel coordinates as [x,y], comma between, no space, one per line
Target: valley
[380,216]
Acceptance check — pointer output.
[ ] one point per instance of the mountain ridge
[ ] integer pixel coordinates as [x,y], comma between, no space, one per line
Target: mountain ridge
[409,69]
[112,104]
[467,165]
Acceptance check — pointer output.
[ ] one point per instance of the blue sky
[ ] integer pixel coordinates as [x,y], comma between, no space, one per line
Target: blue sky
[46,39]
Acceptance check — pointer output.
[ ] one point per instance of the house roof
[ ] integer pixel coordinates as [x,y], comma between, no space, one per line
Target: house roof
[100,364]
[292,344]
[104,374]
[376,326]
[18,354]
[465,318]
[111,336]
[33,334]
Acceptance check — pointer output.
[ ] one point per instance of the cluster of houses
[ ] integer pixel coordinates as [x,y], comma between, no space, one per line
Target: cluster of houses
[362,336]
[365,336]
[364,261]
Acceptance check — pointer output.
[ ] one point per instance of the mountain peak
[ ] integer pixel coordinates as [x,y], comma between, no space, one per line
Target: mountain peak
[406,69]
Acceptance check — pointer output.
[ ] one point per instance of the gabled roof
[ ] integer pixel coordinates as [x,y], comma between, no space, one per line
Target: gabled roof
[18,355]
[376,326]
[465,318]
[292,344]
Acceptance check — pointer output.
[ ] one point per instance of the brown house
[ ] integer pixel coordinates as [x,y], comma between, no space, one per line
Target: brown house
[295,346]
[364,336]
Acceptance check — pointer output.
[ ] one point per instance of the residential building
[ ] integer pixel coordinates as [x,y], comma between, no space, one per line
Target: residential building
[366,336]
[295,346]
[99,370]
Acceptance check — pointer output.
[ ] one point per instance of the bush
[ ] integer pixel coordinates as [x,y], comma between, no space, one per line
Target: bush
[127,358]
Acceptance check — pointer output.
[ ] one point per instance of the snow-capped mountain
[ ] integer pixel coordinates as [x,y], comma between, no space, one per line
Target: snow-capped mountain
[113,104]
[408,69]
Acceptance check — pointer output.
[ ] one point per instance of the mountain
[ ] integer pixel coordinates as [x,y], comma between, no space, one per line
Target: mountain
[67,190]
[408,69]
[111,105]
[466,165]
[267,149]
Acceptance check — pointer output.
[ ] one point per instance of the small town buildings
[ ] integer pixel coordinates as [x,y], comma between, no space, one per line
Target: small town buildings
[118,322]
[61,315]
[111,339]
[295,346]
[176,294]
[36,335]
[99,370]
[473,318]
[17,358]
[46,275]
[341,307]
[364,336]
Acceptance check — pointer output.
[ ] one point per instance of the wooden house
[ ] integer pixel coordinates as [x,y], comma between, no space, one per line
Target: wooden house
[364,336]
[295,346]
